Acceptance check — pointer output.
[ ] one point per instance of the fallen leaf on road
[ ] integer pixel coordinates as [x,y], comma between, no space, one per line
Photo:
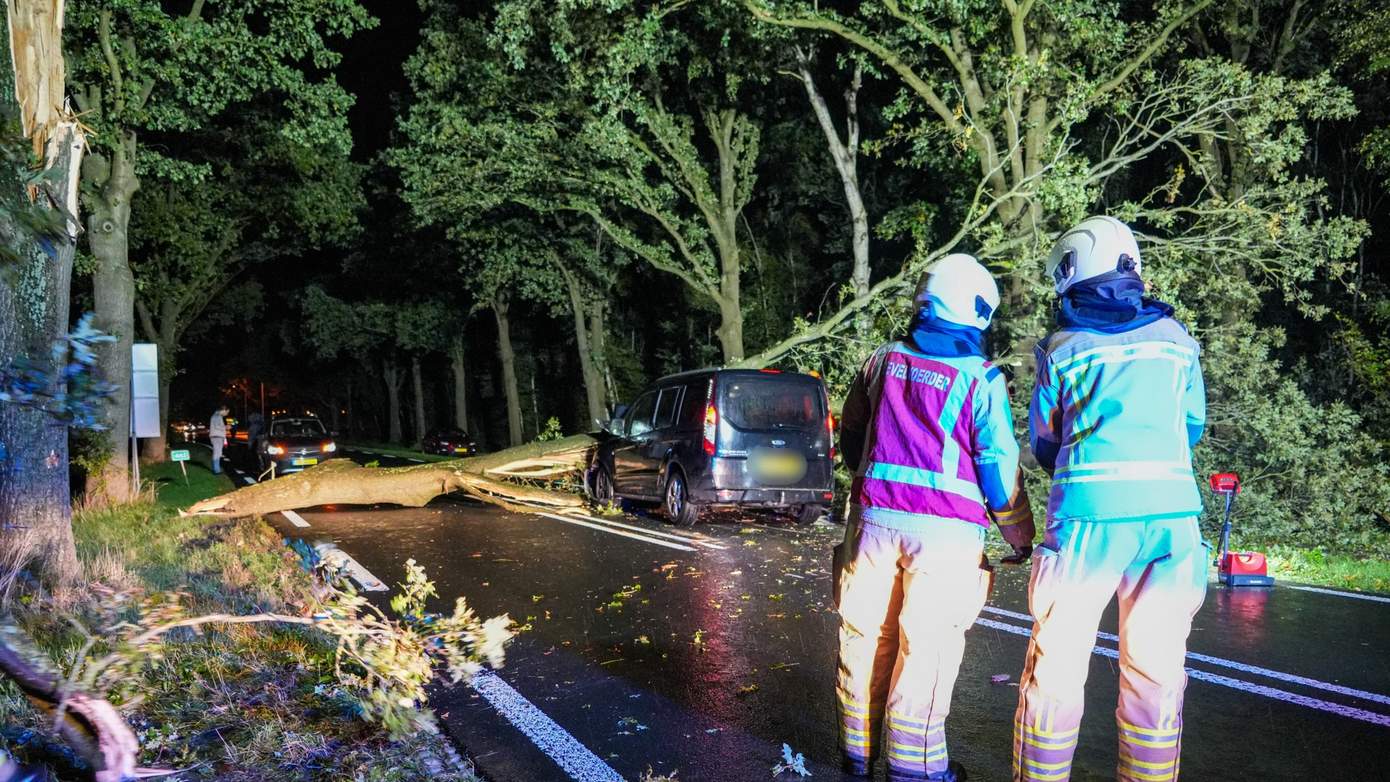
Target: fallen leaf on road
[537,598]
[747,689]
[780,666]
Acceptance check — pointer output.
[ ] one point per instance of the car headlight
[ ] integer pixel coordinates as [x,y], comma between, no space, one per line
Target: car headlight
[274,450]
[330,447]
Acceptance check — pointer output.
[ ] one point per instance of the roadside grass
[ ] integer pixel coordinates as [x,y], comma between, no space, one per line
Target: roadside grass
[1314,566]
[250,703]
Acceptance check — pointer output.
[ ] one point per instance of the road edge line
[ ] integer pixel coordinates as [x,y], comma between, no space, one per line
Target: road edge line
[577,760]
[615,531]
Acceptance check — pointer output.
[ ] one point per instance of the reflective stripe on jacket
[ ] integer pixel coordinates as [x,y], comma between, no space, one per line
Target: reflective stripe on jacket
[938,439]
[1114,418]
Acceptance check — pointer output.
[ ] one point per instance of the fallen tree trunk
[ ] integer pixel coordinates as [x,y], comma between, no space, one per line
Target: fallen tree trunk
[490,478]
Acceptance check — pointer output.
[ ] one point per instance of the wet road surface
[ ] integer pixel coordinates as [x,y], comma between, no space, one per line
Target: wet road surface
[702,651]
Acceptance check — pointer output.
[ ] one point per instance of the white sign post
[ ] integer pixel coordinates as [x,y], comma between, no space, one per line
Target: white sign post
[144,398]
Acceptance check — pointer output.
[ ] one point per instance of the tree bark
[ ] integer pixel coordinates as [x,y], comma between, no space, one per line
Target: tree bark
[845,154]
[341,482]
[392,375]
[507,356]
[459,368]
[35,499]
[417,384]
[112,184]
[584,338]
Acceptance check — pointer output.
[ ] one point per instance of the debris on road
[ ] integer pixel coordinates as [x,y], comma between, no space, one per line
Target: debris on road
[795,763]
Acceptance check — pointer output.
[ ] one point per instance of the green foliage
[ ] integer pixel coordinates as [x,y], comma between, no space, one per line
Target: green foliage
[552,431]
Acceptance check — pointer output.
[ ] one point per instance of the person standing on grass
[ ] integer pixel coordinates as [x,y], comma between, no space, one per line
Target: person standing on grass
[928,433]
[217,436]
[1119,404]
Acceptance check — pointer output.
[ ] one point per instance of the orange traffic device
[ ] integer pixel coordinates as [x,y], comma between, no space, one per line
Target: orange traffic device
[1236,568]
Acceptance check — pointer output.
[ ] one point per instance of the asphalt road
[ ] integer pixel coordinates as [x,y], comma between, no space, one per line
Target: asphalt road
[702,652]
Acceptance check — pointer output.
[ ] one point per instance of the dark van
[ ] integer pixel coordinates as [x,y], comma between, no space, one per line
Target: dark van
[721,438]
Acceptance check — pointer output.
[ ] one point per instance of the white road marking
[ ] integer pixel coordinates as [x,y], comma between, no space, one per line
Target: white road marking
[577,761]
[294,518]
[1243,667]
[1227,681]
[413,459]
[614,531]
[645,531]
[336,557]
[1338,593]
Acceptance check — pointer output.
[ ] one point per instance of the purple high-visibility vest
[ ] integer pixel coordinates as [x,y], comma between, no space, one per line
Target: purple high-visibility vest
[918,455]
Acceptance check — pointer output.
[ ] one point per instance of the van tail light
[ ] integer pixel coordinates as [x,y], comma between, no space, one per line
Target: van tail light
[711,434]
[830,433]
[711,429]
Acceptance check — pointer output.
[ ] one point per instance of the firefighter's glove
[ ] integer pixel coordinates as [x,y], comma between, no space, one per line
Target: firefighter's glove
[1020,555]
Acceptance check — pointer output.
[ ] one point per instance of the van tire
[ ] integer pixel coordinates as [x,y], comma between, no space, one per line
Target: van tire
[676,500]
[808,514]
[601,488]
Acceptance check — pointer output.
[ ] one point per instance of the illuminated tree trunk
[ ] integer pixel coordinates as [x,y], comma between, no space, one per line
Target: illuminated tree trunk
[35,506]
[588,320]
[459,368]
[111,184]
[418,386]
[392,375]
[507,356]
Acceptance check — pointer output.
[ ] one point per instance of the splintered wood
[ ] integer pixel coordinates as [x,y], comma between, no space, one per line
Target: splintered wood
[36,38]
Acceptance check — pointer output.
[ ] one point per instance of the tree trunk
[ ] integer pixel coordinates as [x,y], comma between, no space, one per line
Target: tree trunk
[35,500]
[392,375]
[584,341]
[162,334]
[507,356]
[418,385]
[730,331]
[459,369]
[112,183]
[845,155]
[339,481]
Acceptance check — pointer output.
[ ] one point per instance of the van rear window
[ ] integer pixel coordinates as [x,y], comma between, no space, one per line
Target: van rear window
[771,402]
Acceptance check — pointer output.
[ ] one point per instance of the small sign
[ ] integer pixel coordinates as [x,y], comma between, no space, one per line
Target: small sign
[178,456]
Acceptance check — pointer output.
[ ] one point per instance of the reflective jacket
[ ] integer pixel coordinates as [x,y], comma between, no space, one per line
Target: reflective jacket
[937,441]
[1114,418]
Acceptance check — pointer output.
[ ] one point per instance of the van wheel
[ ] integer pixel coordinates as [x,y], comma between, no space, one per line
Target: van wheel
[808,514]
[601,488]
[679,509]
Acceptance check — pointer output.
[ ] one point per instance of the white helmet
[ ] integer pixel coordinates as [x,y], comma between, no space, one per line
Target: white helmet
[959,290]
[1096,246]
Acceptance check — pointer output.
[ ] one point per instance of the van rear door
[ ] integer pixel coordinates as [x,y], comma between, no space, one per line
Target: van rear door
[777,421]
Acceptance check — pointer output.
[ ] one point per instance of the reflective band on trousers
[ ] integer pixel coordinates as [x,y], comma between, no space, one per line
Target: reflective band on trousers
[916,476]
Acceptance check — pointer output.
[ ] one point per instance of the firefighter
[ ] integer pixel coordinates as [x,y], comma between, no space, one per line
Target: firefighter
[928,433]
[1118,405]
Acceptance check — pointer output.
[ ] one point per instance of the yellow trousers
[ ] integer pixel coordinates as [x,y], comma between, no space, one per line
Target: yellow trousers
[905,600]
[1159,570]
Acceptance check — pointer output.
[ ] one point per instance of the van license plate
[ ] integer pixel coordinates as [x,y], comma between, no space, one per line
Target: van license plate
[305,462]
[772,466]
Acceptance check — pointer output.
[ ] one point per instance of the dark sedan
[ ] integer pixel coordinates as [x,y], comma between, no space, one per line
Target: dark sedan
[449,442]
[292,444]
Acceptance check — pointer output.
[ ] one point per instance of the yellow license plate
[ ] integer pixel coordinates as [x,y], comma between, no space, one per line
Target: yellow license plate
[305,462]
[785,467]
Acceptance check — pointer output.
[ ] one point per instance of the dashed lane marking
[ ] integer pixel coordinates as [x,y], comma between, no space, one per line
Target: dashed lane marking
[615,531]
[1228,681]
[294,518]
[1338,593]
[577,760]
[1243,667]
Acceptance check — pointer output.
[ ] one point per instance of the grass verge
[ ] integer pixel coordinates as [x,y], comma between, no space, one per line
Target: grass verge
[249,703]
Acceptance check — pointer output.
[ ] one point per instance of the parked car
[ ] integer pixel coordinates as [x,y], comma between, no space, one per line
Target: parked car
[291,444]
[726,438]
[449,442]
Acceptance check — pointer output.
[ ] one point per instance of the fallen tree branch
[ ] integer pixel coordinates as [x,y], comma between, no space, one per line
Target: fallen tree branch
[341,482]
